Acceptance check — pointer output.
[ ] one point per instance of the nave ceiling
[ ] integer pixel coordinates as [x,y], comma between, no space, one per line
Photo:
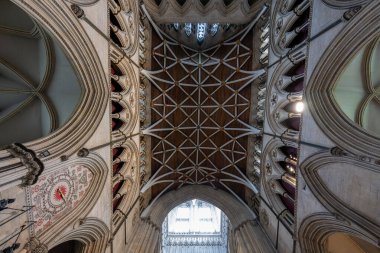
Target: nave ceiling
[201,124]
[253,120]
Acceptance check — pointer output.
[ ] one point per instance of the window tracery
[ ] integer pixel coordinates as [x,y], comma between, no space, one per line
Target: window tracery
[195,226]
[200,34]
[30,86]
[360,83]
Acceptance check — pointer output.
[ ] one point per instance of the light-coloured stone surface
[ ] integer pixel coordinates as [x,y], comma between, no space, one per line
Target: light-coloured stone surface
[349,179]
[285,240]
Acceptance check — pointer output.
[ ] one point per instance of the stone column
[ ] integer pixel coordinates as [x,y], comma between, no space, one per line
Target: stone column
[145,238]
[250,238]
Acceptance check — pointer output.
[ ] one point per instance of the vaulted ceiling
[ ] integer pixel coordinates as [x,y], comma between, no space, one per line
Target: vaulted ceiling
[200,113]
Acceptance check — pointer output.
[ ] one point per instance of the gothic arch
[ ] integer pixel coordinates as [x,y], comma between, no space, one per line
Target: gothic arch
[236,212]
[285,87]
[126,177]
[326,112]
[323,171]
[275,177]
[289,25]
[126,96]
[29,110]
[65,27]
[92,233]
[79,209]
[124,24]
[247,233]
[315,229]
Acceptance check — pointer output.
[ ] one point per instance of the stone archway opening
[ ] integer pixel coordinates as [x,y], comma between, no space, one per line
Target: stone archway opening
[195,226]
[71,246]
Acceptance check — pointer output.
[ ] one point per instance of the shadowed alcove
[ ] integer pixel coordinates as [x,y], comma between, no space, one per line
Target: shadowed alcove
[71,246]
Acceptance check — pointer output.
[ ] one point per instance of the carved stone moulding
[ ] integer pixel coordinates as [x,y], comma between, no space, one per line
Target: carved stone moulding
[315,230]
[128,97]
[65,27]
[284,15]
[124,25]
[170,11]
[29,160]
[93,234]
[83,2]
[129,174]
[345,3]
[344,185]
[271,171]
[319,92]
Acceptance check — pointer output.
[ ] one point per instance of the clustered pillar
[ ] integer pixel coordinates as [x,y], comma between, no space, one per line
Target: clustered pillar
[145,239]
[249,238]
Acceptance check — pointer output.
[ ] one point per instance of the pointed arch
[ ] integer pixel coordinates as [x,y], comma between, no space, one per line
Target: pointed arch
[73,201]
[63,25]
[92,233]
[318,93]
[315,230]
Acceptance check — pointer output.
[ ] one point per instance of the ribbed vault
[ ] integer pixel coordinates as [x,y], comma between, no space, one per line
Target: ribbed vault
[200,113]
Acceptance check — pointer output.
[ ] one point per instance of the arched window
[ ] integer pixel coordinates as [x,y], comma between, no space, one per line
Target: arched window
[39,89]
[195,226]
[357,90]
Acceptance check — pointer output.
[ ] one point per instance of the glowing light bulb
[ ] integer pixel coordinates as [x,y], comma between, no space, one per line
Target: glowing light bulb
[299,107]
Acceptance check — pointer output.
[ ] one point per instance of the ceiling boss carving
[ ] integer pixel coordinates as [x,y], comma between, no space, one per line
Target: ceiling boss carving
[200,113]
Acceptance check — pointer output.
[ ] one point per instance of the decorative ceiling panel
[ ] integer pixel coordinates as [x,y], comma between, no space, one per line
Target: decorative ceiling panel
[200,113]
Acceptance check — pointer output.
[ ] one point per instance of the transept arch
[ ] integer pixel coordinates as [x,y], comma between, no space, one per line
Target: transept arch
[247,233]
[236,211]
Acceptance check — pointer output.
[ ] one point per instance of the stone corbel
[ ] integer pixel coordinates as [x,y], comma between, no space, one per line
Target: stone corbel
[29,160]
[339,152]
[22,166]
[78,11]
